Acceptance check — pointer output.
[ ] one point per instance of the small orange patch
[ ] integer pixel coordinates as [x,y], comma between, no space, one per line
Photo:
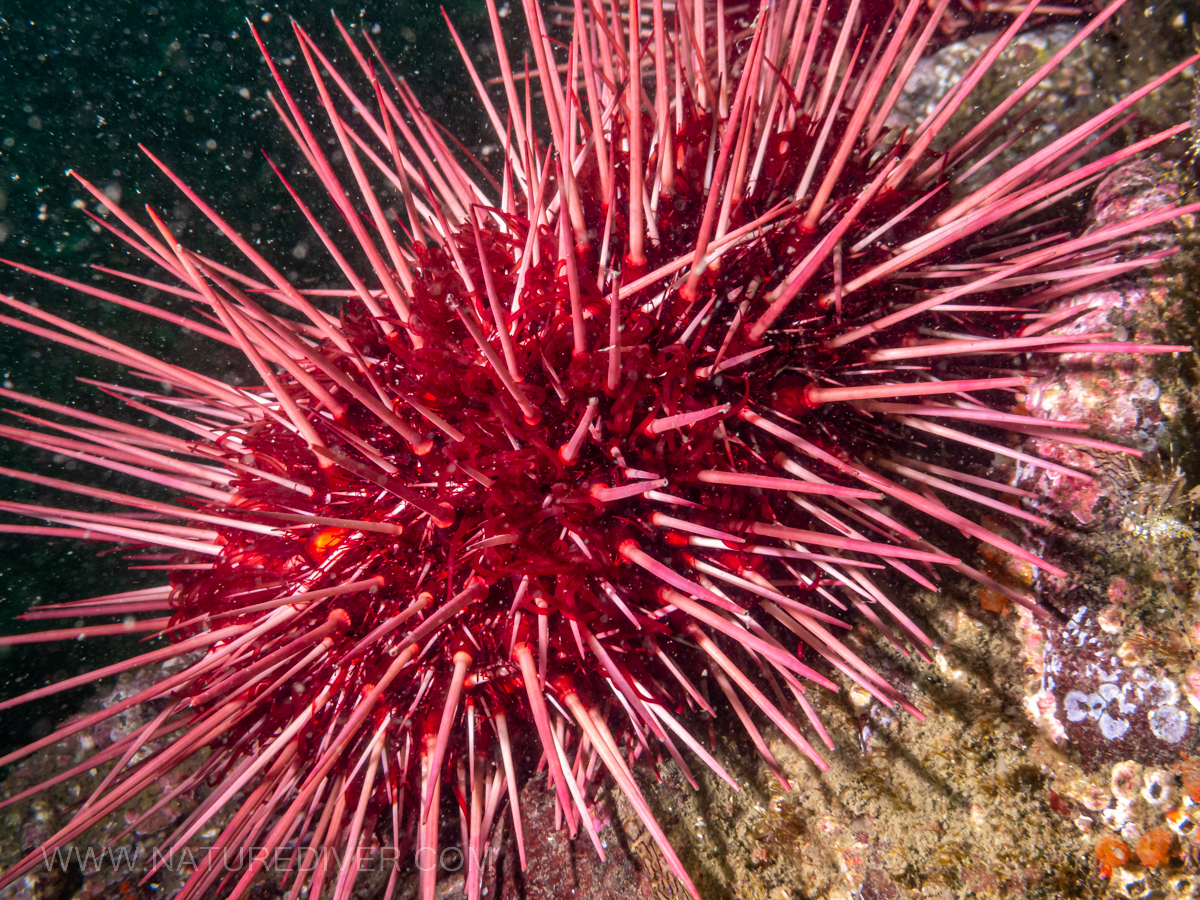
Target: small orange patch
[1112,851]
[1191,783]
[1154,847]
[992,554]
[322,542]
[992,601]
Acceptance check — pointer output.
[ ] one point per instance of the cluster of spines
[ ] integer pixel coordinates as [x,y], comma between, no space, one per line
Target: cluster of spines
[336,566]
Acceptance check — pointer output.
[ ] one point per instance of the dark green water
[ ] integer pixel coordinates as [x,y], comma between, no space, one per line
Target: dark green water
[81,85]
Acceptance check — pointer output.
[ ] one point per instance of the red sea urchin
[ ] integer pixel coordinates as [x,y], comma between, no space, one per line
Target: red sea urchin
[622,416]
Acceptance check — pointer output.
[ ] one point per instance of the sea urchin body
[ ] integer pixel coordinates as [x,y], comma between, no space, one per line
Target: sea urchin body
[655,400]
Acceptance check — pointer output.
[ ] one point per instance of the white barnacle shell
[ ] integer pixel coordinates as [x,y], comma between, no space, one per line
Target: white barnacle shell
[1156,788]
[1168,723]
[1125,778]
[1112,727]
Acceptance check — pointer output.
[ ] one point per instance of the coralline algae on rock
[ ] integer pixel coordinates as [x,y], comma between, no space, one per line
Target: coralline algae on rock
[1112,679]
[1089,698]
[1125,398]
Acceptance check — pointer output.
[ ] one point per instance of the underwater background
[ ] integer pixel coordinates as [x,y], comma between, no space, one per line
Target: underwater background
[81,85]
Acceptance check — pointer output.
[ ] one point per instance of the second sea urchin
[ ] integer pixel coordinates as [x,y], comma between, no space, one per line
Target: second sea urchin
[657,399]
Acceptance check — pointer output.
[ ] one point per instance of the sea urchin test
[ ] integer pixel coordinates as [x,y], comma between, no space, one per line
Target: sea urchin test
[660,399]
